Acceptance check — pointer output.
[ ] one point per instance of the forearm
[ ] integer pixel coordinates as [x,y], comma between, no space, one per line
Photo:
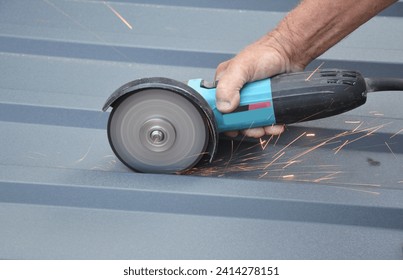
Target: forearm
[316,25]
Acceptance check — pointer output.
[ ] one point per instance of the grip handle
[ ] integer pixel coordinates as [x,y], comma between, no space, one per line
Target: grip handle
[255,108]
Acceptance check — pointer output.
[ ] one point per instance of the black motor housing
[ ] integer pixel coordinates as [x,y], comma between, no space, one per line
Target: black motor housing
[305,96]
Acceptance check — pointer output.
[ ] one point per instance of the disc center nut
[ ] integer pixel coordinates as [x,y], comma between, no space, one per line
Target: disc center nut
[157,135]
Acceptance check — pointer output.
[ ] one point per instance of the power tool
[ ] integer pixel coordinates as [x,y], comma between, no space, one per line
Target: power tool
[160,125]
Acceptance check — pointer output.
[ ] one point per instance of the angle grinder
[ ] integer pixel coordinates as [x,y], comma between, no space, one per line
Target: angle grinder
[160,125]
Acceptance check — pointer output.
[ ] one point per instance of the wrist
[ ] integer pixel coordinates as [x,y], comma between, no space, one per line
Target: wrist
[286,50]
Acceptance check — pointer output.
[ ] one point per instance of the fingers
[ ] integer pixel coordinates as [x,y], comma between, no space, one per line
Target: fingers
[274,129]
[231,133]
[254,132]
[262,131]
[259,131]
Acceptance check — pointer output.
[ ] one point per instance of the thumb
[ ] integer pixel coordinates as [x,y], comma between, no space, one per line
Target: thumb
[231,81]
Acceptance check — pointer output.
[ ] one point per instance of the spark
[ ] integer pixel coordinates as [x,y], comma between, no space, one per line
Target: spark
[86,153]
[290,163]
[390,149]
[109,156]
[358,126]
[310,173]
[396,133]
[327,177]
[289,144]
[375,128]
[369,133]
[118,15]
[310,150]
[350,189]
[264,143]
[341,146]
[83,27]
[376,113]
[232,153]
[322,166]
[243,138]
[274,160]
[326,142]
[360,184]
[278,138]
[251,159]
[264,174]
[248,156]
[314,71]
[337,185]
[315,114]
[311,135]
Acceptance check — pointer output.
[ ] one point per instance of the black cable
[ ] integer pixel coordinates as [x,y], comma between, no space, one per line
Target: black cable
[384,84]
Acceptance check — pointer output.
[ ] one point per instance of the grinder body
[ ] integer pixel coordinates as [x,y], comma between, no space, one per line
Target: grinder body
[289,98]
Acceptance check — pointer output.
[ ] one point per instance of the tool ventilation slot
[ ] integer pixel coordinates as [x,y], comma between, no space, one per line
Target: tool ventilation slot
[340,77]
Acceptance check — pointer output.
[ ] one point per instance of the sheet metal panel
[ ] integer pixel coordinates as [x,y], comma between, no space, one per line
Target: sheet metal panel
[325,189]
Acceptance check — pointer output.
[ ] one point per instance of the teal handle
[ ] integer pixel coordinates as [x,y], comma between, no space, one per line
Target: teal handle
[255,107]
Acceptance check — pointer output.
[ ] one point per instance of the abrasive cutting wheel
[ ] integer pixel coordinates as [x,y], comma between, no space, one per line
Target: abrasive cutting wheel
[157,130]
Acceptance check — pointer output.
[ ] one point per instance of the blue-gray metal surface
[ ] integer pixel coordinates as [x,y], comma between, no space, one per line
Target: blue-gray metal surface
[325,189]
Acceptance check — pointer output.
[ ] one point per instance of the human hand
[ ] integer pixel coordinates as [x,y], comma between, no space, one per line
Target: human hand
[260,60]
[305,33]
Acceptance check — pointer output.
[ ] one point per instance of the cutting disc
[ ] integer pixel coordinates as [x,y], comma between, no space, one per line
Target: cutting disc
[157,131]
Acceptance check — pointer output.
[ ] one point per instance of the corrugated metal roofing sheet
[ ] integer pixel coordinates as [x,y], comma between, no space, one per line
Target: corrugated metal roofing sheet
[63,194]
